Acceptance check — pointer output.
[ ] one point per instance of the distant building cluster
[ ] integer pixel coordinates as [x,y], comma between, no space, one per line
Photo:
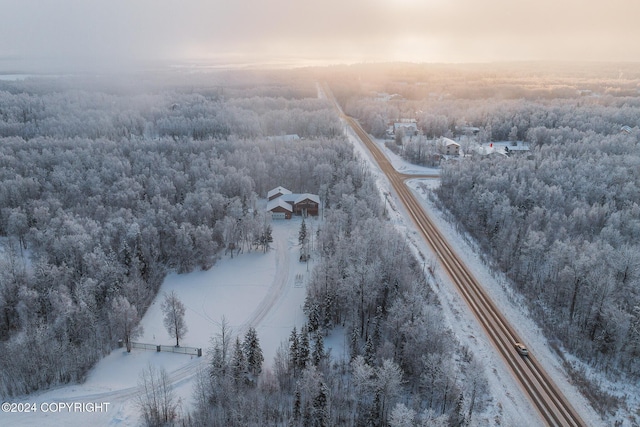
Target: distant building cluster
[446,148]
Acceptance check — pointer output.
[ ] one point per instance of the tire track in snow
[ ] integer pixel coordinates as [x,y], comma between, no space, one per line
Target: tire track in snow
[187,372]
[276,290]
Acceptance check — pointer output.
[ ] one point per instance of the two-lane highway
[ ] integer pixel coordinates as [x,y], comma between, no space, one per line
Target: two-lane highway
[552,406]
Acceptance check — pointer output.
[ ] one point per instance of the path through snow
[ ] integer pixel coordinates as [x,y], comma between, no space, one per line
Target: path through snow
[251,290]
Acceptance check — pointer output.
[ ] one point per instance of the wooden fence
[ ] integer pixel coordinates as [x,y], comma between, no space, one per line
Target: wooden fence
[194,351]
[184,350]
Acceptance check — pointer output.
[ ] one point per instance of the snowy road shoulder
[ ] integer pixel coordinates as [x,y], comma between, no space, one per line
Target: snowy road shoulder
[512,406]
[508,301]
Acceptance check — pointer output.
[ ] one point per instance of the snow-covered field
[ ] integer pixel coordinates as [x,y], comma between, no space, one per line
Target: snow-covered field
[265,291]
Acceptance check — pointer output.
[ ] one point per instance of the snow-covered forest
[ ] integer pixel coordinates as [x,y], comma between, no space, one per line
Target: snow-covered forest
[562,221]
[564,224]
[532,98]
[105,188]
[101,195]
[405,366]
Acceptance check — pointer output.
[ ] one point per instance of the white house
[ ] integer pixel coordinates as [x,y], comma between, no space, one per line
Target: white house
[410,129]
[451,147]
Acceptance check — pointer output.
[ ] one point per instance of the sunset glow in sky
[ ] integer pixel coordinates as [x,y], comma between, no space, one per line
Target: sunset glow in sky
[328,31]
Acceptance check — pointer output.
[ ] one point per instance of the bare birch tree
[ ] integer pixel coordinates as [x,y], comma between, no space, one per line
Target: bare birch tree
[173,310]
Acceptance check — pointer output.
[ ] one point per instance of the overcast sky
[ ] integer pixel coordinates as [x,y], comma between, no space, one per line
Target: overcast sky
[122,31]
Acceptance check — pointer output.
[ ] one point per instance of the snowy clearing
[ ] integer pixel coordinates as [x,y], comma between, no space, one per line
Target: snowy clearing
[250,290]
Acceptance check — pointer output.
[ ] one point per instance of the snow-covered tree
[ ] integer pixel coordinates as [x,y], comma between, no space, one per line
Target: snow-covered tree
[173,310]
[238,363]
[157,400]
[294,352]
[320,415]
[401,416]
[253,353]
[124,320]
[388,382]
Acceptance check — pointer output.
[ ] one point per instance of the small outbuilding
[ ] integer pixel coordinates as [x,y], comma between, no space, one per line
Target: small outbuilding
[516,149]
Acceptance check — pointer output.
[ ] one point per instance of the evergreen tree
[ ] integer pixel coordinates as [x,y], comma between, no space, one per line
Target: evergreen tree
[376,328]
[369,352]
[318,349]
[297,405]
[313,313]
[303,354]
[374,415]
[353,343]
[218,364]
[253,352]
[303,240]
[302,234]
[320,407]
[294,349]
[238,363]
[306,414]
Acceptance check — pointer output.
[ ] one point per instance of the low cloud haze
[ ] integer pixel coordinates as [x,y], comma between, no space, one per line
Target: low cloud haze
[118,33]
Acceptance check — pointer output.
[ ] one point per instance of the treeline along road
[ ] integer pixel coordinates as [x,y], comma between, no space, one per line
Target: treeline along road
[553,407]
